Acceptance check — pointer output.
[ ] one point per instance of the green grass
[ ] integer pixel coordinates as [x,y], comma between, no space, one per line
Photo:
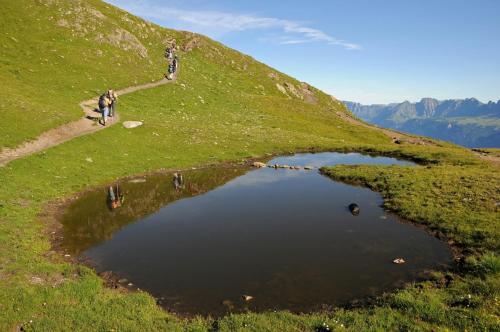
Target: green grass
[51,59]
[223,107]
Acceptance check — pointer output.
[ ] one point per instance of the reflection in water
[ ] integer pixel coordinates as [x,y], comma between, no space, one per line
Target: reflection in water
[178,181]
[223,239]
[115,197]
[90,220]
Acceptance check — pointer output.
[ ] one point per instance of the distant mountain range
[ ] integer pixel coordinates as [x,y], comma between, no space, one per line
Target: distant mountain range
[467,122]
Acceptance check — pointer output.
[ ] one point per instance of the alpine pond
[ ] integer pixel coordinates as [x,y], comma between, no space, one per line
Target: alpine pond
[231,239]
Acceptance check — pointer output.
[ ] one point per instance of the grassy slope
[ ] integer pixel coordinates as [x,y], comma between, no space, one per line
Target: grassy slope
[223,107]
[51,59]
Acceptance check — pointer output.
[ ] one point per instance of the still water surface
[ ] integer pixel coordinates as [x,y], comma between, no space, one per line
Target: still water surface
[284,237]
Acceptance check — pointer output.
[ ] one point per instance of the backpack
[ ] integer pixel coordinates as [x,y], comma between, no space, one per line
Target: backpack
[102,101]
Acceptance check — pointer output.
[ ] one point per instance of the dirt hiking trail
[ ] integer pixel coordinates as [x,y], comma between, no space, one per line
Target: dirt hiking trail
[66,132]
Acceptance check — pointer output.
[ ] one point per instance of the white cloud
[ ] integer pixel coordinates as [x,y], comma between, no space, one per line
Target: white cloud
[294,41]
[262,176]
[205,21]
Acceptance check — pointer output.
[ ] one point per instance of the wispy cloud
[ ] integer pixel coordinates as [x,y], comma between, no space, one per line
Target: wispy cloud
[203,21]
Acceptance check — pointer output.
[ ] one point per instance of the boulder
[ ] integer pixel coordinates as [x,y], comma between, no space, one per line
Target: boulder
[258,164]
[282,89]
[132,124]
[308,168]
[354,208]
[291,88]
[137,181]
[36,280]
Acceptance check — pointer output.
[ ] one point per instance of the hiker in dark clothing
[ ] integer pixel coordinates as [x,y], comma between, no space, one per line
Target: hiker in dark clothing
[175,62]
[104,104]
[171,71]
[169,54]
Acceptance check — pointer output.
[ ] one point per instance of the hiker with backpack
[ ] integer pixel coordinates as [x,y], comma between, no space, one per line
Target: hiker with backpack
[113,97]
[104,104]
[175,62]
[169,53]
[171,71]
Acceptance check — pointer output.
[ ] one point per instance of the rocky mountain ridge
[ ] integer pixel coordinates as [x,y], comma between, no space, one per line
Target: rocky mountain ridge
[467,122]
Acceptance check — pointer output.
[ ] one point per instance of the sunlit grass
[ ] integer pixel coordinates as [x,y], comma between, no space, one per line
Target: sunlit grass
[223,107]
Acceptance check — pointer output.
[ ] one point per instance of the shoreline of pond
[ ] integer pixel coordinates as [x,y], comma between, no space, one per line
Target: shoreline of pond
[54,210]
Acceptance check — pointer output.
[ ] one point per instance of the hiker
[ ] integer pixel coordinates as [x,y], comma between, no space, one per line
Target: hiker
[113,97]
[171,70]
[175,62]
[169,53]
[104,104]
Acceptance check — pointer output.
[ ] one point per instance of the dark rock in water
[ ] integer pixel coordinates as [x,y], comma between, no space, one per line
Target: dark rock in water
[354,208]
[247,297]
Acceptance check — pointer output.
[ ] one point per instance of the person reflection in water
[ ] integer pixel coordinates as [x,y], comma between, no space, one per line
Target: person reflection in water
[178,181]
[115,197]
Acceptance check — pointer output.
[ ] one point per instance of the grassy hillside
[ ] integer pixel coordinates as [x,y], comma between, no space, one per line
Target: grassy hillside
[55,54]
[224,107]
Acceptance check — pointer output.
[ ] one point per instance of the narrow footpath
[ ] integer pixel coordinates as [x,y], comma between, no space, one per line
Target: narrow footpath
[66,132]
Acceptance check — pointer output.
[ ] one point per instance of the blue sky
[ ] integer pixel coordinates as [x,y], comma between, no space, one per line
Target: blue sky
[370,51]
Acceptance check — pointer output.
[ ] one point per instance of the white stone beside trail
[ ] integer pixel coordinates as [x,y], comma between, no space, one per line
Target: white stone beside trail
[132,124]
